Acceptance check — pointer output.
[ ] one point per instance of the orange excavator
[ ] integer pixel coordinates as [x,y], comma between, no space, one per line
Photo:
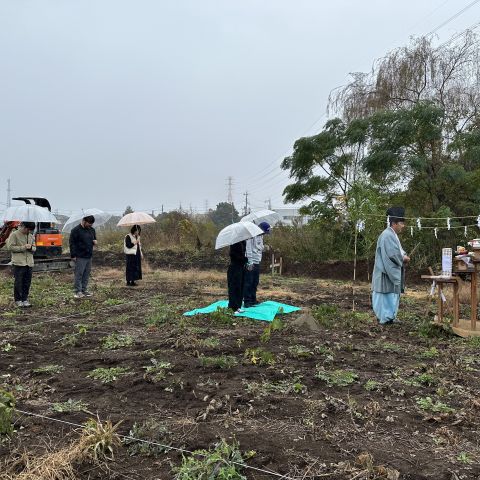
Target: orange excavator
[48,239]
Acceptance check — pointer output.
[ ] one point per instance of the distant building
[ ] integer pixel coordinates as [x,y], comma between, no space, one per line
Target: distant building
[292,216]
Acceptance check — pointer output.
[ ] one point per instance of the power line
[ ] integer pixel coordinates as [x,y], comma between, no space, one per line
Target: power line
[453,17]
[148,442]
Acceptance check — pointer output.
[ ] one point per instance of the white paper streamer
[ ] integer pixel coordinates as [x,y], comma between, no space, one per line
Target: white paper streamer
[360,225]
[435,230]
[478,221]
[448,223]
[388,220]
[411,231]
[465,231]
[443,298]
[419,224]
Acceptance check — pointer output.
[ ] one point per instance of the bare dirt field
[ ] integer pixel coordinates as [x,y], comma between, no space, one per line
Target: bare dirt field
[325,393]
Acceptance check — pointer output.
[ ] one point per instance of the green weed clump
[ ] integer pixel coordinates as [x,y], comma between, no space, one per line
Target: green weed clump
[213,464]
[259,356]
[432,352]
[300,351]
[152,431]
[336,378]
[223,316]
[426,403]
[209,342]
[50,369]
[7,406]
[114,341]
[284,387]
[162,313]
[372,385]
[325,315]
[108,375]
[70,406]
[157,371]
[222,361]
[275,326]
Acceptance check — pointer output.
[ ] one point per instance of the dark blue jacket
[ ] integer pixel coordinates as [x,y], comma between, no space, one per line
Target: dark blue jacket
[81,242]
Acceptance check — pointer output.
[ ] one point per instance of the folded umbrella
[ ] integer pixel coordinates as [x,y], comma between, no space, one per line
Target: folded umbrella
[29,213]
[101,217]
[236,232]
[135,218]
[260,216]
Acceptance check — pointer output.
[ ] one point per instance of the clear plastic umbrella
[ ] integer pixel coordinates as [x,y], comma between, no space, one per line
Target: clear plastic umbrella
[101,217]
[29,213]
[259,216]
[236,232]
[135,218]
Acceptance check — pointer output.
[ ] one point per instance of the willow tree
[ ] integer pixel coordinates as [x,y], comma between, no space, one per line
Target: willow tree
[448,75]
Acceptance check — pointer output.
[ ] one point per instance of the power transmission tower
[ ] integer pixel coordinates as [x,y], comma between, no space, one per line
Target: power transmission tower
[9,194]
[207,206]
[245,208]
[230,190]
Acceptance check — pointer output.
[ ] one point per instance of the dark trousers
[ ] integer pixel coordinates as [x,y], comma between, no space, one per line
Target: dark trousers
[252,278]
[23,280]
[235,278]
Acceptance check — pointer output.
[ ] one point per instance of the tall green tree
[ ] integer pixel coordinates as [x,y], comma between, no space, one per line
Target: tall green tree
[224,214]
[325,167]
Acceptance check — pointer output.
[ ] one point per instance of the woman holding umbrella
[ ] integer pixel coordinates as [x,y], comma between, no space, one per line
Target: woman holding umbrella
[133,256]
[132,246]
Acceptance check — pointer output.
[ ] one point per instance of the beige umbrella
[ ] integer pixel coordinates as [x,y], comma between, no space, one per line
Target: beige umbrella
[135,218]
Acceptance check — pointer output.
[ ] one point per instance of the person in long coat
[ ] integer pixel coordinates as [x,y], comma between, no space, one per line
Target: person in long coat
[133,256]
[388,272]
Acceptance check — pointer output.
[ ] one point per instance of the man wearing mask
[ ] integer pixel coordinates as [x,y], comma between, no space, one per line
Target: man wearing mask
[82,240]
[388,273]
[22,245]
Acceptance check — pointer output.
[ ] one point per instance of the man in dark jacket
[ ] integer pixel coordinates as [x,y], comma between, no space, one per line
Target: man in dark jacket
[236,275]
[82,240]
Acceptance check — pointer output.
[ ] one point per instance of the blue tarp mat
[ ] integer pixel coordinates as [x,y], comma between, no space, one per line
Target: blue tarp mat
[263,311]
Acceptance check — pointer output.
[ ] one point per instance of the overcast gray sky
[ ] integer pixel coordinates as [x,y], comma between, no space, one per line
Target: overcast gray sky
[105,103]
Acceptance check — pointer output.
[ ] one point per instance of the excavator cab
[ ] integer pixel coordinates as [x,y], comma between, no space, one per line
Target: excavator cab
[48,238]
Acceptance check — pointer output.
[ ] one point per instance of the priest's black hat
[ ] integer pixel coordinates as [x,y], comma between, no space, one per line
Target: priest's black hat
[396,214]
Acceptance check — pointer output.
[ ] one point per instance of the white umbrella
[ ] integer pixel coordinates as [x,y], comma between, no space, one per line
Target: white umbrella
[135,218]
[259,216]
[101,217]
[29,213]
[236,232]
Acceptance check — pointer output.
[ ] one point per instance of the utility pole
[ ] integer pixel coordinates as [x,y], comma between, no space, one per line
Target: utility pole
[245,208]
[207,207]
[268,203]
[230,193]
[9,194]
